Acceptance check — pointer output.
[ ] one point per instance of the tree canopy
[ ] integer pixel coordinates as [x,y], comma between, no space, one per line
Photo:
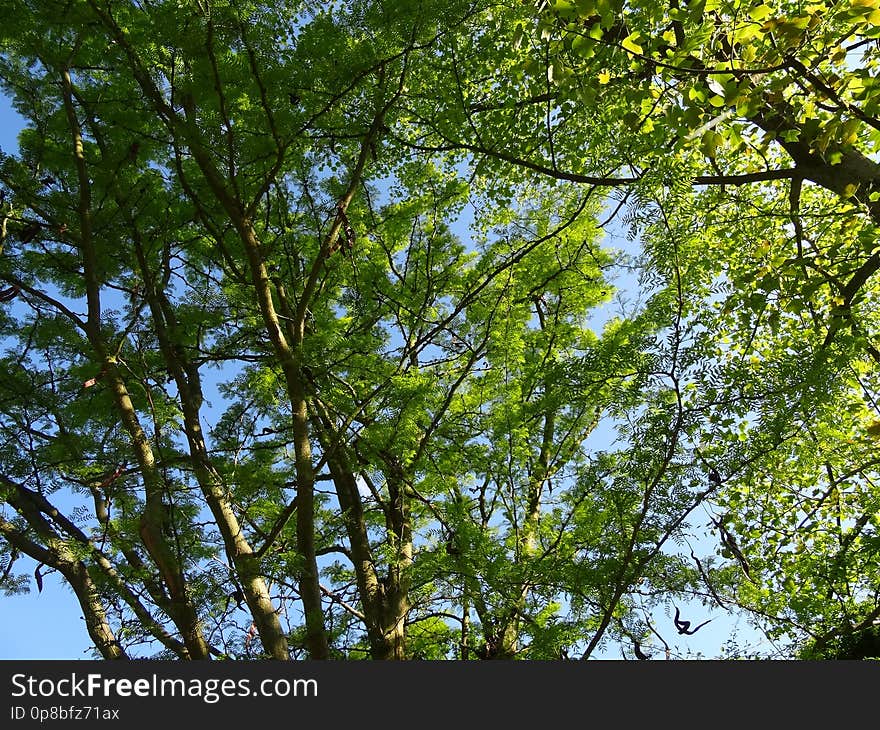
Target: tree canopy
[462,329]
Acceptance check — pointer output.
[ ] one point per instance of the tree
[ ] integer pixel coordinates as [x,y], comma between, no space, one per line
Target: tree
[266,380]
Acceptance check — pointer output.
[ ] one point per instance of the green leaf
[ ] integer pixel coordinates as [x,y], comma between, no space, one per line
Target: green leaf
[631,45]
[760,12]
